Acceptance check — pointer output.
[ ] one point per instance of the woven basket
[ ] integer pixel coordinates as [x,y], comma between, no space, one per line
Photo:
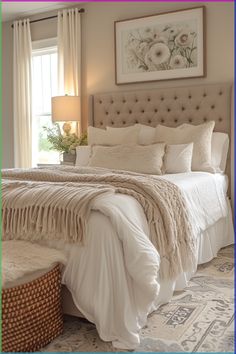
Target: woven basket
[32,313]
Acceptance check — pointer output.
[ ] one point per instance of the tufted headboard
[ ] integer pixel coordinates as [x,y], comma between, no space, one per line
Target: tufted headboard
[167,106]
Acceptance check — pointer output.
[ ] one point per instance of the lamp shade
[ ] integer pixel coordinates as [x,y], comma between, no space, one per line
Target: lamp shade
[65,108]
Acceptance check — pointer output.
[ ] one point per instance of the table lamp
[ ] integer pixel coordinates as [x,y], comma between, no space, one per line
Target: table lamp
[66,109]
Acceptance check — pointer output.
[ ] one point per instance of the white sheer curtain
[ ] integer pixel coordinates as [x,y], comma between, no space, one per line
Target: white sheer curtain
[22,93]
[69,52]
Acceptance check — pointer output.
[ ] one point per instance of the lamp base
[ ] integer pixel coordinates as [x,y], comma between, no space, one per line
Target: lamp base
[66,128]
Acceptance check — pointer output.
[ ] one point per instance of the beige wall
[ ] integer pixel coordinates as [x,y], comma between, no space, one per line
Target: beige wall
[98,71]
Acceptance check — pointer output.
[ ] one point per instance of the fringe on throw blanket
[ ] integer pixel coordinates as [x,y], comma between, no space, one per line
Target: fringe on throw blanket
[55,204]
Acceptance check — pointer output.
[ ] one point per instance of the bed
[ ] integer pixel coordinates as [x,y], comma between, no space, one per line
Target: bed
[121,286]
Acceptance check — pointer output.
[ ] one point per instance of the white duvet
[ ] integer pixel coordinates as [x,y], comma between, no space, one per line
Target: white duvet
[113,278]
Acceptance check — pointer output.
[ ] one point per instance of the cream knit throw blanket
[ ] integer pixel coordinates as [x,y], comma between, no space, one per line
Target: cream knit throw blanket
[55,203]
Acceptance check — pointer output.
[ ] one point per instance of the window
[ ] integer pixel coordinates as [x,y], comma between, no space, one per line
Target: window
[44,86]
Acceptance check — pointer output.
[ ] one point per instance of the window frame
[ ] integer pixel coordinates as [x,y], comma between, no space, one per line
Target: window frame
[39,48]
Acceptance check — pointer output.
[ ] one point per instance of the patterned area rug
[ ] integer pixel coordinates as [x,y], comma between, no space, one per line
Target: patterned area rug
[198,319]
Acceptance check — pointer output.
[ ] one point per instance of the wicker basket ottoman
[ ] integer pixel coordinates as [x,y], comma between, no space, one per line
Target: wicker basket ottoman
[32,312]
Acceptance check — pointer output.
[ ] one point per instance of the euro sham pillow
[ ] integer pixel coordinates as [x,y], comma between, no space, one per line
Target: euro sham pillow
[178,158]
[147,134]
[113,136]
[200,135]
[82,155]
[219,151]
[141,159]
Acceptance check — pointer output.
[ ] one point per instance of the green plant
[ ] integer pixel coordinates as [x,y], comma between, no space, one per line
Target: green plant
[64,143]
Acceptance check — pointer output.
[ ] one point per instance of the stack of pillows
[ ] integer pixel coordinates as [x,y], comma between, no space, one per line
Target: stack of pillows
[144,149]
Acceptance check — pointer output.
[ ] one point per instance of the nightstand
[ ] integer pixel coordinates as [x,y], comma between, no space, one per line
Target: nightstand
[67,163]
[47,164]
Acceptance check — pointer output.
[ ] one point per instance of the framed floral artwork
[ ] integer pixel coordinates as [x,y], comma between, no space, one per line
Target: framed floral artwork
[166,46]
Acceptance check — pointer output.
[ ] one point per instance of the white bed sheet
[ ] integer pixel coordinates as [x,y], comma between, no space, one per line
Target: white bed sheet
[113,278]
[205,194]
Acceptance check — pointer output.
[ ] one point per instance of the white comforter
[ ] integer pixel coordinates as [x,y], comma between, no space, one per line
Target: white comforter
[114,277]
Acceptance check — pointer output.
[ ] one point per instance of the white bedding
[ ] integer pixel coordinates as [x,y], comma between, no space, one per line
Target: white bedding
[113,278]
[205,195]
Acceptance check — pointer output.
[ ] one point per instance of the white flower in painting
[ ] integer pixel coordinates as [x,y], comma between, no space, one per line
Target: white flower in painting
[183,39]
[178,62]
[147,59]
[143,48]
[146,33]
[159,53]
[149,63]
[157,38]
[173,32]
[131,58]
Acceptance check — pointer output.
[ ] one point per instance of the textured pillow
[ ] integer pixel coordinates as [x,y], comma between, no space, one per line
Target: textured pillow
[142,159]
[82,155]
[178,158]
[200,135]
[113,136]
[147,135]
[219,151]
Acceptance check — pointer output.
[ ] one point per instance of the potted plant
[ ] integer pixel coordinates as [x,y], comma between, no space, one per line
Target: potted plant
[65,143]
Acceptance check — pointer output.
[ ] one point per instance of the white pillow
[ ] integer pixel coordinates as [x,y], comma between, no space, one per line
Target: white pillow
[113,136]
[142,159]
[219,151]
[82,155]
[147,134]
[178,158]
[200,135]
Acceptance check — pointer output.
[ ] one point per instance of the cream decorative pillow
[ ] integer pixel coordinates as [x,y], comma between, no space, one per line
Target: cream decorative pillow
[219,151]
[113,136]
[82,155]
[147,134]
[200,135]
[141,159]
[178,158]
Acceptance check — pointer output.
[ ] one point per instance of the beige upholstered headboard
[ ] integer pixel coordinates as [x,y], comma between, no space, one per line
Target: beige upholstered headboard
[168,106]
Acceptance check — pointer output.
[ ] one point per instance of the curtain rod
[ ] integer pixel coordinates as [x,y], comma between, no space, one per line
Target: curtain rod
[48,18]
